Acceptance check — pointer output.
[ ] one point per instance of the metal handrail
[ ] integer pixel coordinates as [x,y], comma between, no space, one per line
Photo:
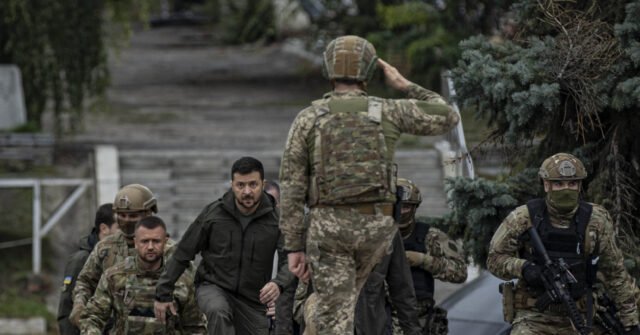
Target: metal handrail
[40,231]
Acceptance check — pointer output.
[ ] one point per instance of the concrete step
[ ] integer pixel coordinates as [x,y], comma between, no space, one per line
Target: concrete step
[145,175]
[185,181]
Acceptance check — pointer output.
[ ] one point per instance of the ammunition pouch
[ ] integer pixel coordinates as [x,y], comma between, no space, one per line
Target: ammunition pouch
[437,322]
[136,325]
[508,305]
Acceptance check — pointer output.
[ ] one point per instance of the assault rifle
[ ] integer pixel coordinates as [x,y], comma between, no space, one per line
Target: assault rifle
[608,314]
[556,278]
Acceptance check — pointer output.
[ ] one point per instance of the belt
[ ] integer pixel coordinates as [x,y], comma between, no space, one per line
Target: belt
[367,208]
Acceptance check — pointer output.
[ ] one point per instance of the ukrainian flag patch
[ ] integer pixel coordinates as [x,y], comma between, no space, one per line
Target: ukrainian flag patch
[66,282]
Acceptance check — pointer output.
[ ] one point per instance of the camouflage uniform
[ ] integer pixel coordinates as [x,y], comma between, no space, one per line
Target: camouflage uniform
[338,160]
[503,261]
[443,261]
[367,236]
[128,291]
[390,278]
[580,233]
[109,251]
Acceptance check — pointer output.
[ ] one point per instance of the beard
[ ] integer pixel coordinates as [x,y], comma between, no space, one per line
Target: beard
[247,201]
[150,257]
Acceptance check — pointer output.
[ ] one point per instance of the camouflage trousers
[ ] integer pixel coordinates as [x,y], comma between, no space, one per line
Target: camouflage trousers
[343,246]
[429,317]
[528,322]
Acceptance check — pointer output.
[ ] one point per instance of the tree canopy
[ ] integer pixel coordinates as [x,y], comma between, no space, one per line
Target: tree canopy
[566,82]
[61,49]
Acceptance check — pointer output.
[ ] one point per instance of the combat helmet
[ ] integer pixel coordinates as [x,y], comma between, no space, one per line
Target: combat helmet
[562,166]
[410,192]
[349,57]
[134,198]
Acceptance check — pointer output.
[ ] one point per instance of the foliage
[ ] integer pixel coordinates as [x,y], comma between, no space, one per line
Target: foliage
[419,37]
[247,21]
[60,48]
[479,201]
[14,304]
[567,82]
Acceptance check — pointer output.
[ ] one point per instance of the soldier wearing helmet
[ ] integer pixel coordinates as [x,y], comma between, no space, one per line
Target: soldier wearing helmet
[131,203]
[431,255]
[126,291]
[338,161]
[579,232]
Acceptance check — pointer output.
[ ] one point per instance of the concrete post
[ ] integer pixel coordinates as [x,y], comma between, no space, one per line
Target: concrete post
[107,173]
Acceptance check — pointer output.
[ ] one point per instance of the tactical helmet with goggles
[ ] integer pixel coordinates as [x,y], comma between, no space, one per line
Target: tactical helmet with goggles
[410,192]
[562,166]
[349,57]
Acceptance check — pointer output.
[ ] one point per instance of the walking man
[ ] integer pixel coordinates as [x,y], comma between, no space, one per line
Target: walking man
[127,289]
[338,161]
[578,232]
[132,203]
[104,225]
[236,236]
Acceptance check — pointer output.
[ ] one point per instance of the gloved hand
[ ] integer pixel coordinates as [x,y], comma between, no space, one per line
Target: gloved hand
[77,313]
[532,274]
[634,330]
[415,258]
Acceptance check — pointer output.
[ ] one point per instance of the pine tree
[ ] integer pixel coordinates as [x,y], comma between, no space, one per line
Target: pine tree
[567,82]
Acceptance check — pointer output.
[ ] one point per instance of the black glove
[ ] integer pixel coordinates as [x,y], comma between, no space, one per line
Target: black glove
[633,331]
[532,274]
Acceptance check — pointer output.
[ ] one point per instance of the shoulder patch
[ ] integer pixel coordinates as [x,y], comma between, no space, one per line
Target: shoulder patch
[375,109]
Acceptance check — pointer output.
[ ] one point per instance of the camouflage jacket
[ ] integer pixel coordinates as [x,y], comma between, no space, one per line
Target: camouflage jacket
[109,251]
[504,261]
[443,259]
[424,113]
[128,291]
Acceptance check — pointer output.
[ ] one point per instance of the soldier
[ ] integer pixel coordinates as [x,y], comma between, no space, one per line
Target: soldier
[127,290]
[104,225]
[338,160]
[273,188]
[581,233]
[132,203]
[236,236]
[431,255]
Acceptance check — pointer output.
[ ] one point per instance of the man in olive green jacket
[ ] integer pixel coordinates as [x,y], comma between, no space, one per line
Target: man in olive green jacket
[236,236]
[104,226]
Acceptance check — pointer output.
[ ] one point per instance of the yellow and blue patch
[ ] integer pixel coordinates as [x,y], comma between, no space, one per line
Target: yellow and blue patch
[66,282]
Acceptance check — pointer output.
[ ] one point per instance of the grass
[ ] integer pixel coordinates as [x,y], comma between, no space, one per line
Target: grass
[15,262]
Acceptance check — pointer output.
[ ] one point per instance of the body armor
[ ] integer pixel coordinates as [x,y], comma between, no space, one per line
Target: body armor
[350,156]
[566,243]
[139,296]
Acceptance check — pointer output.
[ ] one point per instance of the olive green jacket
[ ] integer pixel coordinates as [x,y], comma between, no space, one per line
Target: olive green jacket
[239,261]
[71,271]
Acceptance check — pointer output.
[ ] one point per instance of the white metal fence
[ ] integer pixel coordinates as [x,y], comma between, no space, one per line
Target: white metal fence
[40,231]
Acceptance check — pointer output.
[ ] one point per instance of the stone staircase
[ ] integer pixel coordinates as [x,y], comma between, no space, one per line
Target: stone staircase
[184,181]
